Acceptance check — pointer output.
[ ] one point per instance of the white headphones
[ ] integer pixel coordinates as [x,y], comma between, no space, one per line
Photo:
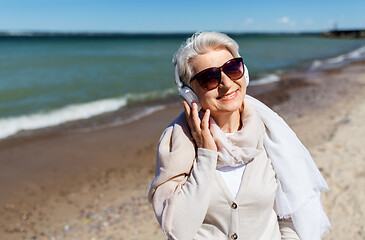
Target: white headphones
[186,93]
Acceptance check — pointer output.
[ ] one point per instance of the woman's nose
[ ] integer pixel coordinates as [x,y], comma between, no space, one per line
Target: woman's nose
[226,81]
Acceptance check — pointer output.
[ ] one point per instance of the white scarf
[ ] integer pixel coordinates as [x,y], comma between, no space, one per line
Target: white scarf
[243,146]
[299,181]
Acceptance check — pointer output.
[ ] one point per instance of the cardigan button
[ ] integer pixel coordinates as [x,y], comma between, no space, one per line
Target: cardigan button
[234,236]
[234,206]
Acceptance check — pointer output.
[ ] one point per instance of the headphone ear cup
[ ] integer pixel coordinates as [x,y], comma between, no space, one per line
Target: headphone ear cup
[247,76]
[187,94]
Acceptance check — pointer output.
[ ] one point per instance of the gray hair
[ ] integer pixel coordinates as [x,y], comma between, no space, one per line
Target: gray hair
[200,43]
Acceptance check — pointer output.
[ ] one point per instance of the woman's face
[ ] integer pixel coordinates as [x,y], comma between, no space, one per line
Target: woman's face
[228,96]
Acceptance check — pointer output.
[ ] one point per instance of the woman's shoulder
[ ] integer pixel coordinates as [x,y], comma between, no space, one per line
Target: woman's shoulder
[176,137]
[177,127]
[179,121]
[176,146]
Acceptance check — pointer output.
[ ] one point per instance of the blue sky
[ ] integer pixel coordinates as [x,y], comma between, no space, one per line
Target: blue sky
[180,16]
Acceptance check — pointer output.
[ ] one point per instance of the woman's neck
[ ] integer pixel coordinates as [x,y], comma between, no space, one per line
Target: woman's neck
[229,122]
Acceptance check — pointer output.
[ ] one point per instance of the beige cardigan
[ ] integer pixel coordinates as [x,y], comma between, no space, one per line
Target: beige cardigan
[250,215]
[201,207]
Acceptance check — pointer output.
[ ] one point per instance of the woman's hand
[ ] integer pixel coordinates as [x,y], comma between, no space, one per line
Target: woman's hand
[199,128]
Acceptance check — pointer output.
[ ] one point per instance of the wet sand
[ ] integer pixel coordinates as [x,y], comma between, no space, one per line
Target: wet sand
[94,184]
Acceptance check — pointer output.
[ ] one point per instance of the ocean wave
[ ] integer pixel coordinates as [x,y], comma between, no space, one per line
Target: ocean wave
[144,113]
[12,125]
[356,54]
[270,78]
[142,97]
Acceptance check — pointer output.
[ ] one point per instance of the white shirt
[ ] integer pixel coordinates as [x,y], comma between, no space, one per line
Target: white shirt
[232,176]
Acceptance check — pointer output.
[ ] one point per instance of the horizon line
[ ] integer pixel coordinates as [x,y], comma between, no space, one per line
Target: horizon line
[116,33]
[56,33]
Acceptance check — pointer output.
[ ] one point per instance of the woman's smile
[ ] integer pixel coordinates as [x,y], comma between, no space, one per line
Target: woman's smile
[228,96]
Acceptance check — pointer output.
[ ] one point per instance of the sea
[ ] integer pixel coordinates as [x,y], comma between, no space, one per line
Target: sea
[51,80]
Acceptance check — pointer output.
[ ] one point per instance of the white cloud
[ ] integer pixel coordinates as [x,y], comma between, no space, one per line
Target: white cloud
[286,20]
[309,22]
[249,21]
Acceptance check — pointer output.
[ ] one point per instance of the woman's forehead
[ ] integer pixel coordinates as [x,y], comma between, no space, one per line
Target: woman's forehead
[213,58]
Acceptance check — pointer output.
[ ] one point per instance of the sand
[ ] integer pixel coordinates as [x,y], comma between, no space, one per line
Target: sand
[93,185]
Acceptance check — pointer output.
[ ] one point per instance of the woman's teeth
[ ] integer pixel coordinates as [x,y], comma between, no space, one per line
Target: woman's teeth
[228,96]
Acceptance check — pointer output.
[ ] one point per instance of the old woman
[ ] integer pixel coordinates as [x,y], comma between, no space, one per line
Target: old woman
[229,167]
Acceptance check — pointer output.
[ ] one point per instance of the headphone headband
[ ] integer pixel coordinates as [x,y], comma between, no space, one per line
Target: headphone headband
[178,81]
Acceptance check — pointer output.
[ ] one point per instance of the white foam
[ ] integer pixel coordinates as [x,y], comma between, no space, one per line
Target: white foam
[12,125]
[336,60]
[270,78]
[142,114]
[316,64]
[357,53]
[149,95]
[353,55]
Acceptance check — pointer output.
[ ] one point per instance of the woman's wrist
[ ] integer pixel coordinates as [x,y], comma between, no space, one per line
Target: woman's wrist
[207,153]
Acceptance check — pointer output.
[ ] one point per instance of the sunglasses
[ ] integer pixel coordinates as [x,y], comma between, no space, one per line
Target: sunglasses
[210,78]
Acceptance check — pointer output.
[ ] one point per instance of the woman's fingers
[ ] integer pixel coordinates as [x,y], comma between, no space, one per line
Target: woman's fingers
[208,140]
[188,114]
[195,116]
[195,128]
[199,128]
[205,121]
[192,116]
[187,109]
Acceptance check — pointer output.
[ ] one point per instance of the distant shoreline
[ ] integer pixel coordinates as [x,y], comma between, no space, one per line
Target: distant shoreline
[15,34]
[350,33]
[344,33]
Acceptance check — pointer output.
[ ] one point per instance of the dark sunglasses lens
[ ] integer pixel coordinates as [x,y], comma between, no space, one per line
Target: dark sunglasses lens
[234,69]
[209,79]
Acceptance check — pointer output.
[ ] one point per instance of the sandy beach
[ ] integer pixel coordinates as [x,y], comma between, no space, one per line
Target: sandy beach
[93,185]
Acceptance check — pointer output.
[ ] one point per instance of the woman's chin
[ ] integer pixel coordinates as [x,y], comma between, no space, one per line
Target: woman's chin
[232,105]
[227,107]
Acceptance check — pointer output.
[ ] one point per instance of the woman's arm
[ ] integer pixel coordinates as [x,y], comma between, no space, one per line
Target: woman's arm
[181,202]
[191,203]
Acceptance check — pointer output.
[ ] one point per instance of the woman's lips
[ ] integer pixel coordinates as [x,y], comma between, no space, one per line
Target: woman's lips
[228,96]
